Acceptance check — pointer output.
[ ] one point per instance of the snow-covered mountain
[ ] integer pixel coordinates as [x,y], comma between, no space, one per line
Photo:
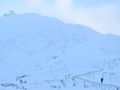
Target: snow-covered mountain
[39,52]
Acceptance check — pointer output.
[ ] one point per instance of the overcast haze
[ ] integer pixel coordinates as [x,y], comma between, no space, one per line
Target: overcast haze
[101,15]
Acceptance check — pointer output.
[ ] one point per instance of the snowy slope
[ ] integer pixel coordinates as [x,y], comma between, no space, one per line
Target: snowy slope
[38,52]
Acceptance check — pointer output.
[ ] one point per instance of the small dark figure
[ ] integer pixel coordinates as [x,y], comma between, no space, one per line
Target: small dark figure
[102,80]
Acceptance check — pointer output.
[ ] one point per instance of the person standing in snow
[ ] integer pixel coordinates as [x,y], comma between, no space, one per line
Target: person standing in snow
[102,80]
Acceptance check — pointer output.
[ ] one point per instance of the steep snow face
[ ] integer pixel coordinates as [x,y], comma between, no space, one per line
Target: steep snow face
[36,51]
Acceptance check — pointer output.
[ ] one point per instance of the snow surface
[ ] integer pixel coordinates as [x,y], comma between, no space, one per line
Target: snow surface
[43,53]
